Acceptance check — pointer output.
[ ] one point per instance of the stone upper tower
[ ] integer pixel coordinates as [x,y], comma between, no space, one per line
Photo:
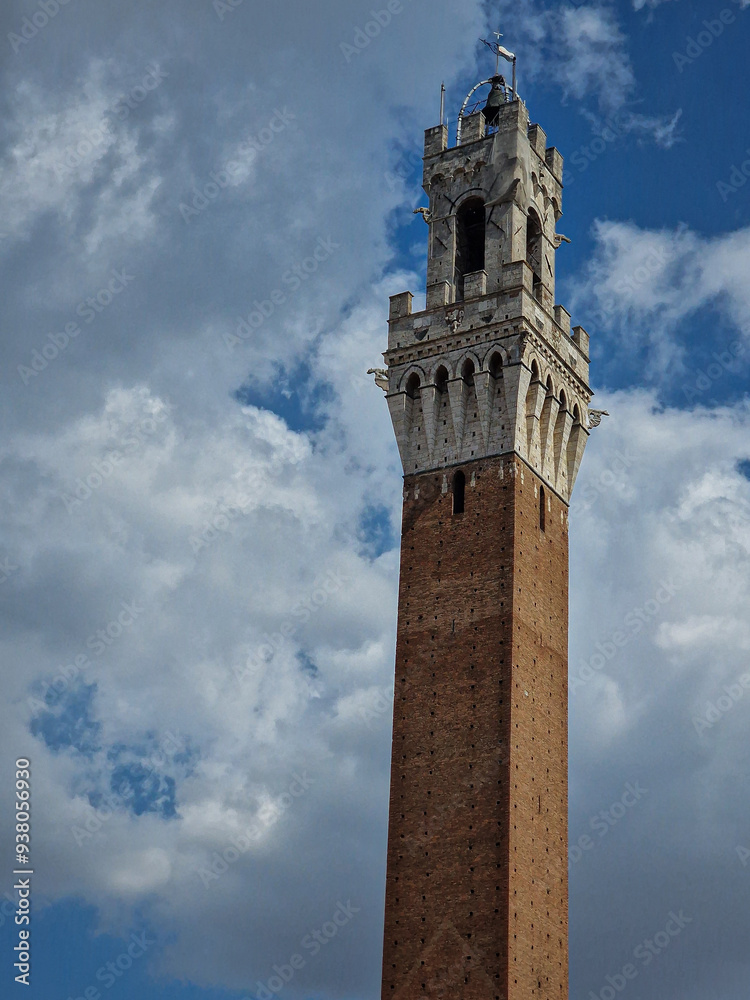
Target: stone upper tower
[488,392]
[490,367]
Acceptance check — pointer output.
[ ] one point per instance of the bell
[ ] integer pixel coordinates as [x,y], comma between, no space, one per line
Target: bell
[495,100]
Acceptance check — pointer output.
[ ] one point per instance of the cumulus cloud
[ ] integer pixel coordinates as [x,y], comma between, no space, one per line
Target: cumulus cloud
[659,543]
[645,284]
[63,145]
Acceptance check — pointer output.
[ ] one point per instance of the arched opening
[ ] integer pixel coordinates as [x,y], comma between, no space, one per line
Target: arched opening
[467,371]
[469,241]
[542,509]
[459,492]
[534,248]
[496,365]
[412,385]
[441,379]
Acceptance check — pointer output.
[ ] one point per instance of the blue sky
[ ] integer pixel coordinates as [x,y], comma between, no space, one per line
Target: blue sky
[235,484]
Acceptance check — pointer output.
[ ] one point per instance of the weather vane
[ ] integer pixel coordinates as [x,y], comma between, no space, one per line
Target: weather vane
[499,50]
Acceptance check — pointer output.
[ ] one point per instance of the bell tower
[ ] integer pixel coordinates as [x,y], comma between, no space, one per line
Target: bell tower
[488,392]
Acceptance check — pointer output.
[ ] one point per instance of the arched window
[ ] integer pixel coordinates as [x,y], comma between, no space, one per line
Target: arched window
[467,371]
[469,241]
[496,365]
[412,385]
[542,509]
[459,492]
[441,379]
[534,248]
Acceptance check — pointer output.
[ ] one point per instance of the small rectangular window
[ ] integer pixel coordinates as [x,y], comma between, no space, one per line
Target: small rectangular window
[459,491]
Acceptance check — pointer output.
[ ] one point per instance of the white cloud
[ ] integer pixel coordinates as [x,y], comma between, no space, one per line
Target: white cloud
[679,514]
[649,282]
[69,144]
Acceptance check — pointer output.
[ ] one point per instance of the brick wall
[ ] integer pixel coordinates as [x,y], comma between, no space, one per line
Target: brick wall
[476,902]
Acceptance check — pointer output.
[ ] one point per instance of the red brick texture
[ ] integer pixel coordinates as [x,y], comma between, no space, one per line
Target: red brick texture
[477,893]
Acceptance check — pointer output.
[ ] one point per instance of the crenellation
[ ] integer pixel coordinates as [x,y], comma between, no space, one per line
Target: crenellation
[581,340]
[474,129]
[400,305]
[435,140]
[555,162]
[538,140]
[562,318]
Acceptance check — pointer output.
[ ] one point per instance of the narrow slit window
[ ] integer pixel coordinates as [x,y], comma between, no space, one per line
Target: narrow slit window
[542,509]
[459,492]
